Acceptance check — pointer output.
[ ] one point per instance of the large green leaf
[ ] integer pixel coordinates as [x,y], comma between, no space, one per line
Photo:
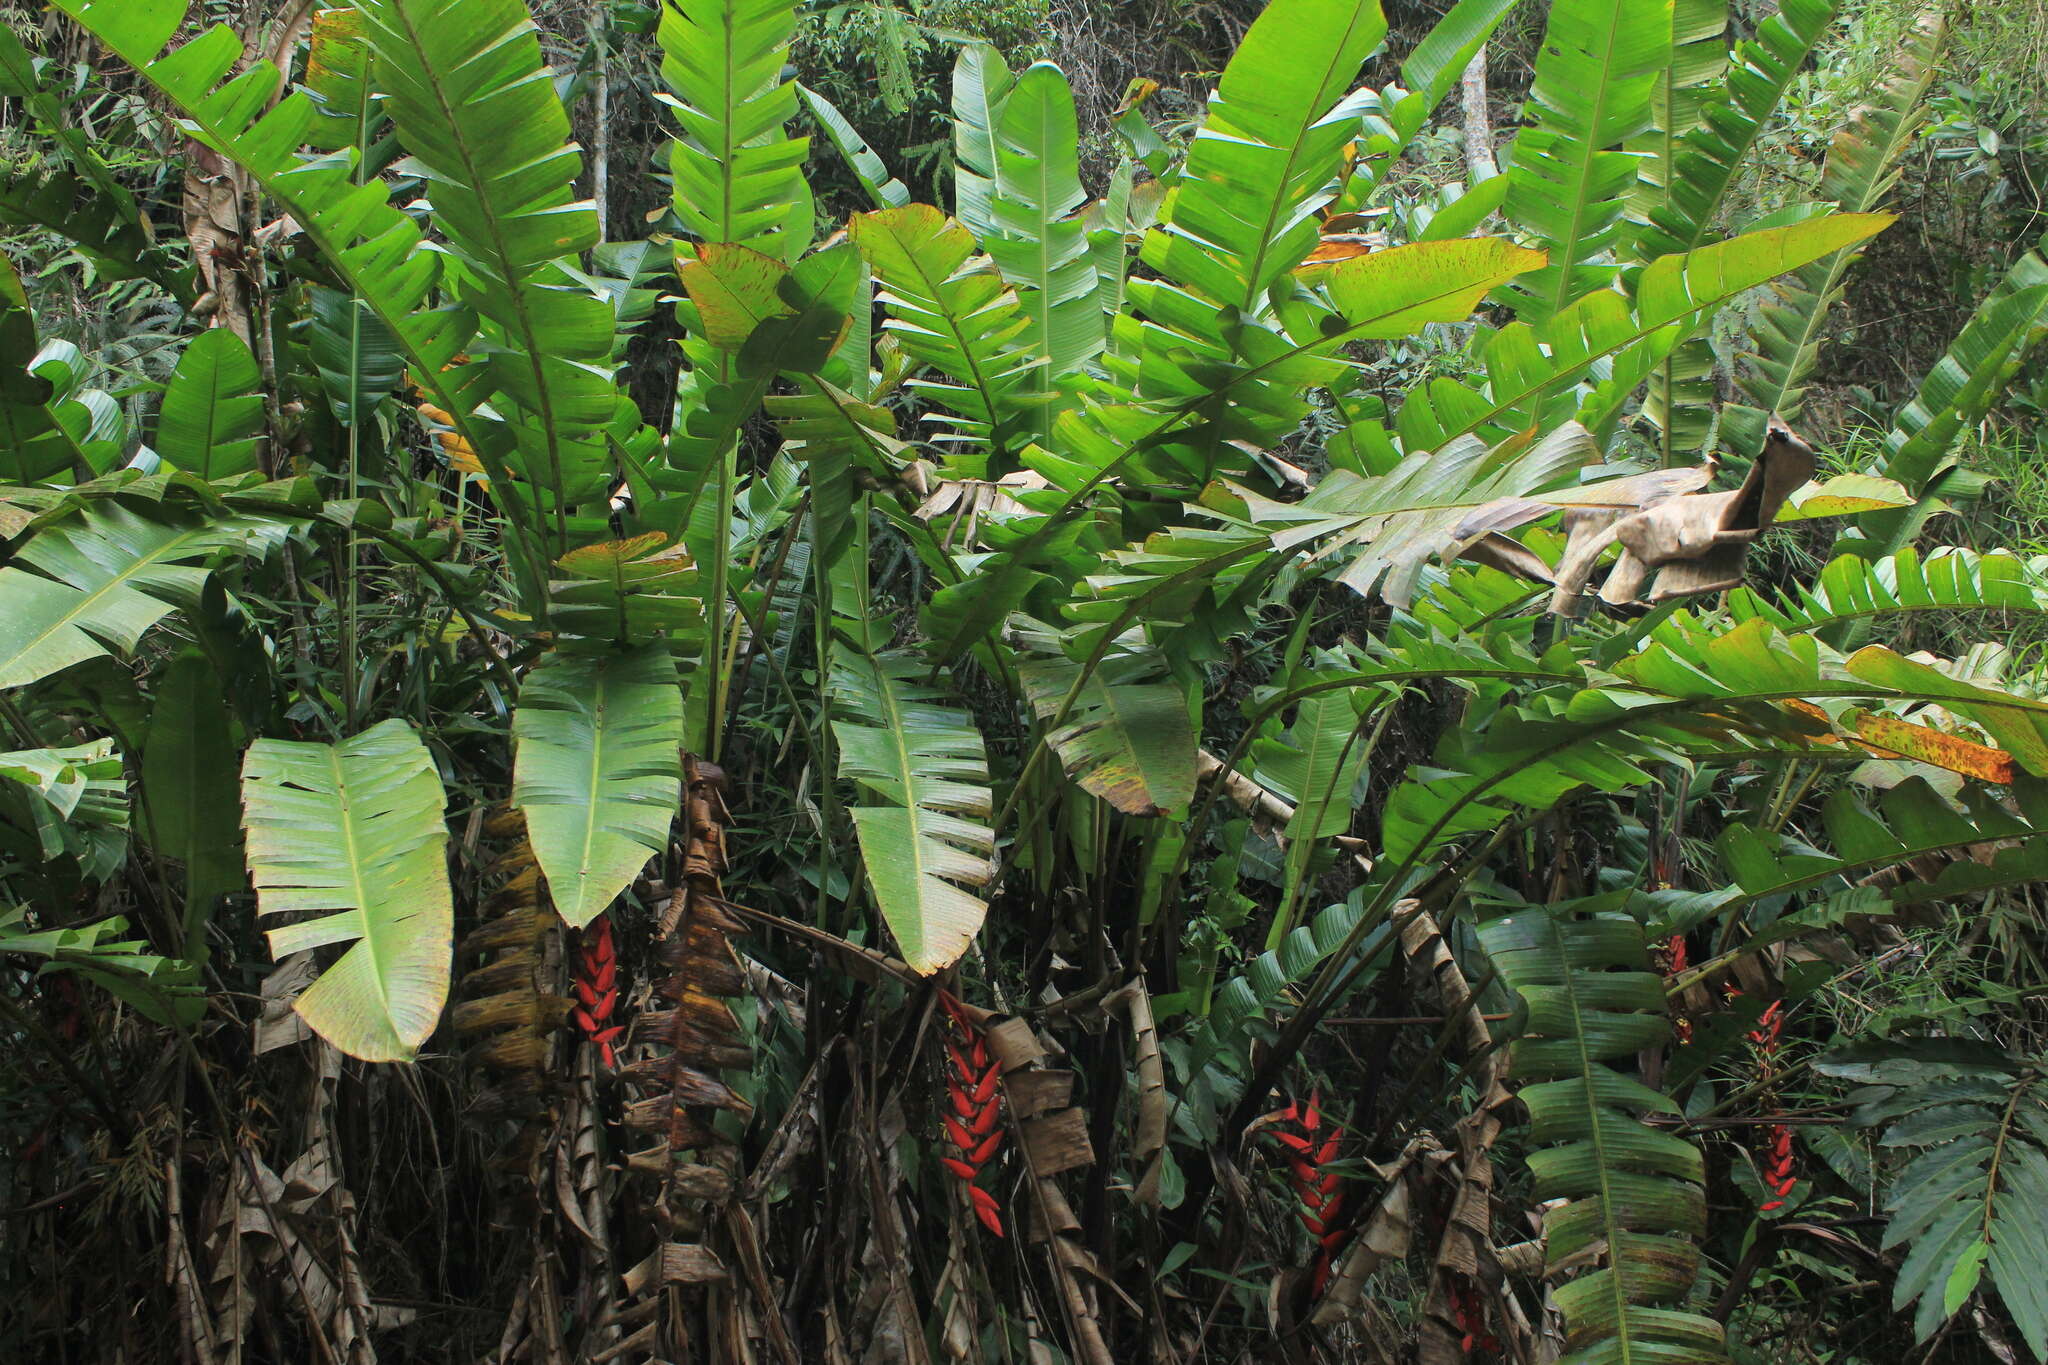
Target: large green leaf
[1730,123]
[83,587]
[1528,370]
[164,990]
[1121,736]
[212,413]
[952,311]
[1910,827]
[188,789]
[1945,580]
[981,81]
[1261,165]
[598,770]
[923,779]
[1570,182]
[738,176]
[359,359]
[1040,243]
[1314,765]
[356,830]
[470,96]
[1963,385]
[49,425]
[1629,1199]
[885,189]
[370,244]
[61,776]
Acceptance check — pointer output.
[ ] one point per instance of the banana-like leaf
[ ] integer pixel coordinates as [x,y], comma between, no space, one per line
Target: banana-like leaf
[627,592]
[1433,68]
[212,413]
[1862,166]
[923,778]
[189,796]
[372,246]
[358,358]
[1970,1208]
[1630,1198]
[885,189]
[339,74]
[1910,827]
[952,311]
[1315,764]
[356,829]
[981,81]
[1690,71]
[1264,982]
[598,770]
[88,203]
[119,246]
[1041,241]
[164,990]
[1122,737]
[470,96]
[1269,147]
[2006,328]
[1571,181]
[1528,368]
[1249,384]
[1853,589]
[1730,122]
[85,587]
[835,434]
[738,177]
[60,776]
[48,424]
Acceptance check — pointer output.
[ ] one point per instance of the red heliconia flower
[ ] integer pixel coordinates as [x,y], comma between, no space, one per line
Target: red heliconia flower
[974,1127]
[597,987]
[1779,1174]
[1319,1190]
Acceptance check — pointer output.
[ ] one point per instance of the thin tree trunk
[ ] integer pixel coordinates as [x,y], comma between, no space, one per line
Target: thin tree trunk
[1479,162]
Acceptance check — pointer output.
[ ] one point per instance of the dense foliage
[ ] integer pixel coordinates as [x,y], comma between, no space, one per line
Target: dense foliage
[1074,729]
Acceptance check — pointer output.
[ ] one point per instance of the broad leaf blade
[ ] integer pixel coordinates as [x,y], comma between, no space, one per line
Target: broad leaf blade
[355,829]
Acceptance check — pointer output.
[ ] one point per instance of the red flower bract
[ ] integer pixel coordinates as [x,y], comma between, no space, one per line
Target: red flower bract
[974,1127]
[597,987]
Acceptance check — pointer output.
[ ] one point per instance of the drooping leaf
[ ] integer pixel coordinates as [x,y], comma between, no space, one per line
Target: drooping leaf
[1124,738]
[923,780]
[1972,1203]
[355,830]
[598,771]
[164,990]
[189,794]
[60,776]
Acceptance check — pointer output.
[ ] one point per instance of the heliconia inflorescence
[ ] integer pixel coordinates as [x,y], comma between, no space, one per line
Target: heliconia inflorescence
[1319,1188]
[974,1118]
[597,987]
[1778,1173]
